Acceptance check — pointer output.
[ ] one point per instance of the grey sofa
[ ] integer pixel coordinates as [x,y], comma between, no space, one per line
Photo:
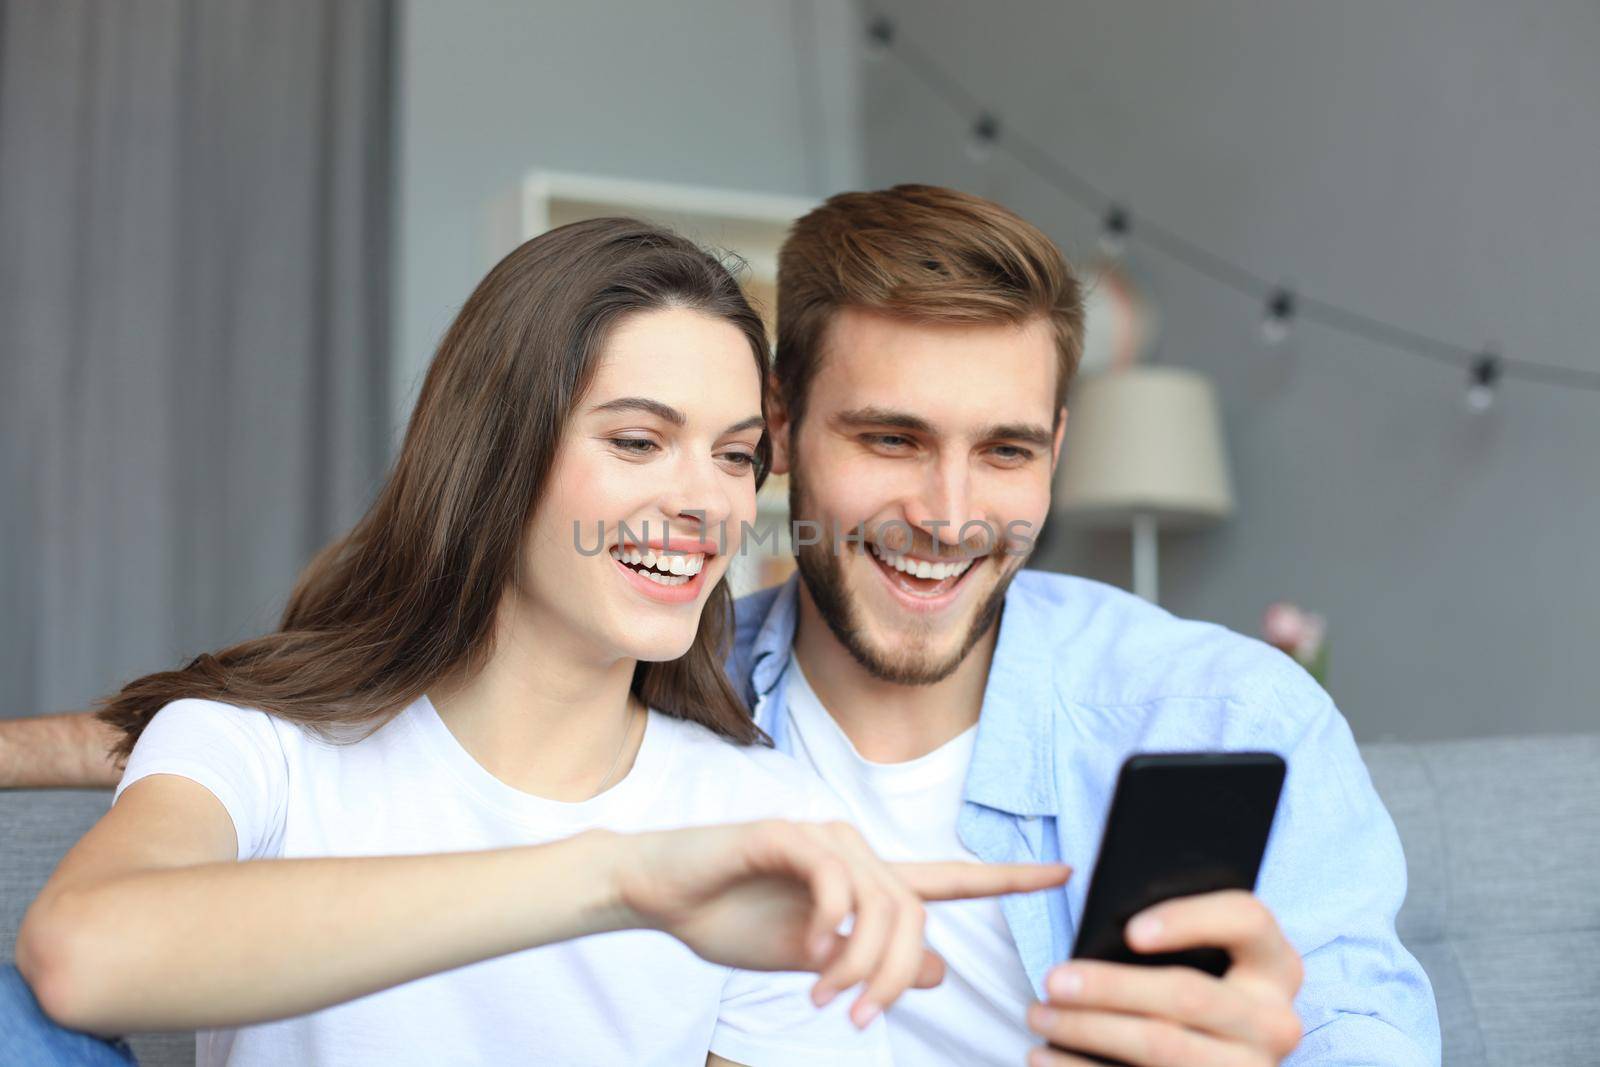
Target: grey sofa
[1502,837]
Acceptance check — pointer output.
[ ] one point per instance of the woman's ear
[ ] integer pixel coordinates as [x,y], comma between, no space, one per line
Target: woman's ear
[778,432]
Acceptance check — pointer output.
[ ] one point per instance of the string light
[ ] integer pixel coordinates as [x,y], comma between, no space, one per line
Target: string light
[985,133]
[1114,231]
[1481,383]
[880,37]
[1282,305]
[1278,319]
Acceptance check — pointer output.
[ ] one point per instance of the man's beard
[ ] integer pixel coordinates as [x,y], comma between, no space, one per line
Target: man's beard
[822,569]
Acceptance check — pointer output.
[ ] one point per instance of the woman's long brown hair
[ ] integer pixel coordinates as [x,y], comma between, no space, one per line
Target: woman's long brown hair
[409,595]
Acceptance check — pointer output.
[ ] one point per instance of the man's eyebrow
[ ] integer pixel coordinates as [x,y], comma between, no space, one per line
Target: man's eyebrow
[1022,432]
[646,405]
[874,416]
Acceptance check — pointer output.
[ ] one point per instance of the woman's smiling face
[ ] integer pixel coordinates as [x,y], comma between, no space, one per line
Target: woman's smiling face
[656,471]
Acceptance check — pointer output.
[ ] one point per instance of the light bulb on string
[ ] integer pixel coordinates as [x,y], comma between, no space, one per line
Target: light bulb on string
[981,139]
[1481,380]
[1278,318]
[1114,231]
[880,37]
[1485,369]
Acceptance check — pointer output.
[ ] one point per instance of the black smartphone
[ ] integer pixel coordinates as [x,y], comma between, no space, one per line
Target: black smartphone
[1180,824]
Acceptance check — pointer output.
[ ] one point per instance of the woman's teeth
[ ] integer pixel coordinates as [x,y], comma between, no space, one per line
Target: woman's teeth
[921,568]
[665,568]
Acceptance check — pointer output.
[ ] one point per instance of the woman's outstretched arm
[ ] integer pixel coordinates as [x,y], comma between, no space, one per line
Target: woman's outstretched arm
[150,923]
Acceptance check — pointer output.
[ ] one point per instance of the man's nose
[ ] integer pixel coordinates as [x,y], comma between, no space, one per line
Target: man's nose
[943,505]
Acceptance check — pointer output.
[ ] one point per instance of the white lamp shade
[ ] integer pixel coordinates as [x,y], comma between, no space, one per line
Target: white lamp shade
[1144,440]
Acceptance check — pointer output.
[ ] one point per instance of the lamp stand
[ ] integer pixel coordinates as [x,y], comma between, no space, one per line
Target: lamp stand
[1145,570]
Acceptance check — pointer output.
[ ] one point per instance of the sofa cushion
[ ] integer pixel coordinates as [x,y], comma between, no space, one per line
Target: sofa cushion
[1502,840]
[37,826]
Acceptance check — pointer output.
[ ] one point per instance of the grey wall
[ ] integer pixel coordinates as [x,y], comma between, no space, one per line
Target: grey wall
[1431,163]
[744,94]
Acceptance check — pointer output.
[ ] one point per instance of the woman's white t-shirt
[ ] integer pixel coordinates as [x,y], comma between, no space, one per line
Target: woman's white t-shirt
[630,997]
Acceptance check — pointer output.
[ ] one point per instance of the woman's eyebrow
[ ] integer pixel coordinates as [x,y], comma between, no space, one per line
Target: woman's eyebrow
[667,413]
[643,403]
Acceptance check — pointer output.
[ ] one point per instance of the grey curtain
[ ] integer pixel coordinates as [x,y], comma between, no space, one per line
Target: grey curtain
[193,280]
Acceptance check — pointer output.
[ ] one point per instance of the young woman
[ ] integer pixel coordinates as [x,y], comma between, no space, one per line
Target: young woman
[493,720]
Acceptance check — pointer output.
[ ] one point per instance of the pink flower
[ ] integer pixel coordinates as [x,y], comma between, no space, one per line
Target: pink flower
[1298,633]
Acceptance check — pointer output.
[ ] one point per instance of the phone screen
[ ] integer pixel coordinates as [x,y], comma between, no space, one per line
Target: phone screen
[1180,824]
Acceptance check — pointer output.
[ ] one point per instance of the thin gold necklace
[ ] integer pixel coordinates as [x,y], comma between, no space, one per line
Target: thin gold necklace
[627,731]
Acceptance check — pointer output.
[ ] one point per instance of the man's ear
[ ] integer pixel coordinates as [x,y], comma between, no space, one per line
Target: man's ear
[778,432]
[1061,433]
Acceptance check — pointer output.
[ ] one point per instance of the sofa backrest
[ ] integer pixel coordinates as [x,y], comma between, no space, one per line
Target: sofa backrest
[1502,840]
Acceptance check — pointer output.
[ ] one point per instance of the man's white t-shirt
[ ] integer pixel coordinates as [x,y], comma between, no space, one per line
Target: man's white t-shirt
[907,812]
[628,997]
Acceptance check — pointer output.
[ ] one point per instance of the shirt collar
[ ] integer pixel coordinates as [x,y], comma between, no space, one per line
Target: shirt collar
[769,654]
[1013,760]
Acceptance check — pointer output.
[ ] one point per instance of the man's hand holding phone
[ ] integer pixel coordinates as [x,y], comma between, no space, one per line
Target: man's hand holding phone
[1179,1016]
[1176,961]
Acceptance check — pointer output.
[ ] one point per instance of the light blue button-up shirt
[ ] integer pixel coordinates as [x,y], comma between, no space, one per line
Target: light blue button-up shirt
[1085,674]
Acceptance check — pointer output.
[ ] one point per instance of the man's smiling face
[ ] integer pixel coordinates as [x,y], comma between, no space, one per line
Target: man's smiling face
[918,432]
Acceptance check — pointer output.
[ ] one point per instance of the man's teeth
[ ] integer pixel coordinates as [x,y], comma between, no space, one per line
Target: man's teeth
[664,568]
[921,568]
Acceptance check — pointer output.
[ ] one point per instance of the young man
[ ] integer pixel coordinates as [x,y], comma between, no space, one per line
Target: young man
[927,339]
[964,707]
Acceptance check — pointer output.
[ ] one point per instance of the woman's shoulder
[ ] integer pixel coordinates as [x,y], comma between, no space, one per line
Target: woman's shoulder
[201,722]
[203,731]
[203,713]
[751,771]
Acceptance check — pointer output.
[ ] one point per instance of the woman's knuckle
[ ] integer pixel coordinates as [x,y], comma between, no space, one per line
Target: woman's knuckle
[876,903]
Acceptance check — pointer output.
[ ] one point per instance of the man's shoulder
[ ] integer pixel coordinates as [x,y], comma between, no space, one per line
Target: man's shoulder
[750,611]
[1111,648]
[749,614]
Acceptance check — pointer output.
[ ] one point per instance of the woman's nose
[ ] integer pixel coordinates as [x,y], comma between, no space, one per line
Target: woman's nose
[699,499]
